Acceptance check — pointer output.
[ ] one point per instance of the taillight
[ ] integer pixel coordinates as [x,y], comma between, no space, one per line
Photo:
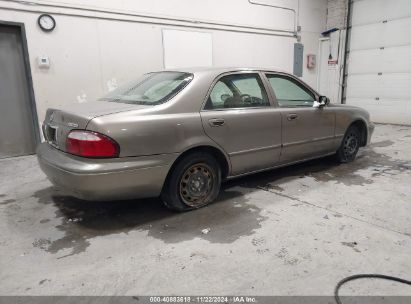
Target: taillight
[91,144]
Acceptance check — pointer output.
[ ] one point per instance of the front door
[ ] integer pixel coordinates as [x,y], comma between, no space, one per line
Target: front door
[306,131]
[17,128]
[239,117]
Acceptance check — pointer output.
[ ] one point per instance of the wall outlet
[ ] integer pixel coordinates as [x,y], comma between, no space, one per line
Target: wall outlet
[43,62]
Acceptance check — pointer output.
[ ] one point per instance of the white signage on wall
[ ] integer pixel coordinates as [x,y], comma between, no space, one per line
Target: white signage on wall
[187,49]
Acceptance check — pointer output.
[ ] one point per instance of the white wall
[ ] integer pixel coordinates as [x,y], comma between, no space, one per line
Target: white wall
[90,52]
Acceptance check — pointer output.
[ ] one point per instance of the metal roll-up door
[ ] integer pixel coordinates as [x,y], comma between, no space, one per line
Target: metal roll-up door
[379,59]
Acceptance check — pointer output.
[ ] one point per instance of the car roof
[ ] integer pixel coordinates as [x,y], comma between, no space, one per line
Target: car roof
[221,70]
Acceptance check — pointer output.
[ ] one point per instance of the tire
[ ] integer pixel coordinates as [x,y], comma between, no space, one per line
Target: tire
[194,182]
[349,145]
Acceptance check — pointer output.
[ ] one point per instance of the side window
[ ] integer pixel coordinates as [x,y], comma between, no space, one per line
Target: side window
[289,93]
[238,91]
[220,93]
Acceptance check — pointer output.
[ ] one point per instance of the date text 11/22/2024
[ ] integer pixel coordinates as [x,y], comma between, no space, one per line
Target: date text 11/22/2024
[203,299]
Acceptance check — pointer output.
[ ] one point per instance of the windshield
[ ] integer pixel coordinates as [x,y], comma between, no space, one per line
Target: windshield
[151,89]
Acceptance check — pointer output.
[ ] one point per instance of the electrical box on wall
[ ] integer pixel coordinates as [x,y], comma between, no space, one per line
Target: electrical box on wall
[311,61]
[298,59]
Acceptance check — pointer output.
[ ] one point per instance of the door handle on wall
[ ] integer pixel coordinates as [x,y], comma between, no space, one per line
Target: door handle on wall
[216,122]
[292,116]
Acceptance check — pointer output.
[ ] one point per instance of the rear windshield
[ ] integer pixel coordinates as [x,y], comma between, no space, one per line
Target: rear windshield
[151,89]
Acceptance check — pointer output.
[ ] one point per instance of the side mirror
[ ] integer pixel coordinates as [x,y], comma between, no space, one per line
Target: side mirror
[322,102]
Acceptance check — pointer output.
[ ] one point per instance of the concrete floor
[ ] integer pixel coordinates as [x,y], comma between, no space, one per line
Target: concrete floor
[292,231]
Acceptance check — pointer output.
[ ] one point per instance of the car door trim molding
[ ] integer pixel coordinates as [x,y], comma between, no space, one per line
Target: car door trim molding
[255,150]
[281,165]
[302,142]
[234,109]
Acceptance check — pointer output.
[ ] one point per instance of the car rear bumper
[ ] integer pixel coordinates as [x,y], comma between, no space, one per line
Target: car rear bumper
[105,179]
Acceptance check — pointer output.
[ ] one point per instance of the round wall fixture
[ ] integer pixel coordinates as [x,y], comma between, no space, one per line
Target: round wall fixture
[46,22]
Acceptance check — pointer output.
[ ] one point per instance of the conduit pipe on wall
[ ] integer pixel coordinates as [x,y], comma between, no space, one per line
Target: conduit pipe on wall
[296,21]
[150,19]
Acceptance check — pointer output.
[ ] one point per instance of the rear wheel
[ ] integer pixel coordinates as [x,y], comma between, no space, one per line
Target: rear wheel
[349,146]
[194,182]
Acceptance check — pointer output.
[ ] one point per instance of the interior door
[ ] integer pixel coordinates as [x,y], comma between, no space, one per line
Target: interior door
[307,131]
[323,57]
[239,117]
[17,132]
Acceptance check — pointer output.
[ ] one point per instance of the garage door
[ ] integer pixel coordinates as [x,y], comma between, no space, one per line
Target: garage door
[379,59]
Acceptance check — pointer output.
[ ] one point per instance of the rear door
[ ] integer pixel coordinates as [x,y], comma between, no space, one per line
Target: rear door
[306,131]
[240,118]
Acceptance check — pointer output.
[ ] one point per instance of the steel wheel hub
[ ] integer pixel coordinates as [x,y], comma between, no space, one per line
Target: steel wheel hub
[350,144]
[196,184]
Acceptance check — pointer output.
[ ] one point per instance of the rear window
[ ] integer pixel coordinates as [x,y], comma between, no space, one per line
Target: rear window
[151,89]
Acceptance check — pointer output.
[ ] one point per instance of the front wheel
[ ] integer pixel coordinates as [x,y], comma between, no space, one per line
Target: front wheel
[349,146]
[194,182]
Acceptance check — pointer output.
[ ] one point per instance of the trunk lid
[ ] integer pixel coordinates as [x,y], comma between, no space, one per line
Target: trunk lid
[59,122]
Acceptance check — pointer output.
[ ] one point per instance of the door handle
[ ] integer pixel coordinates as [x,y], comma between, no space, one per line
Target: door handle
[216,122]
[292,116]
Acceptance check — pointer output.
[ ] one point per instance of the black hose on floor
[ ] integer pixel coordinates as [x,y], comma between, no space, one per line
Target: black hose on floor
[365,276]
